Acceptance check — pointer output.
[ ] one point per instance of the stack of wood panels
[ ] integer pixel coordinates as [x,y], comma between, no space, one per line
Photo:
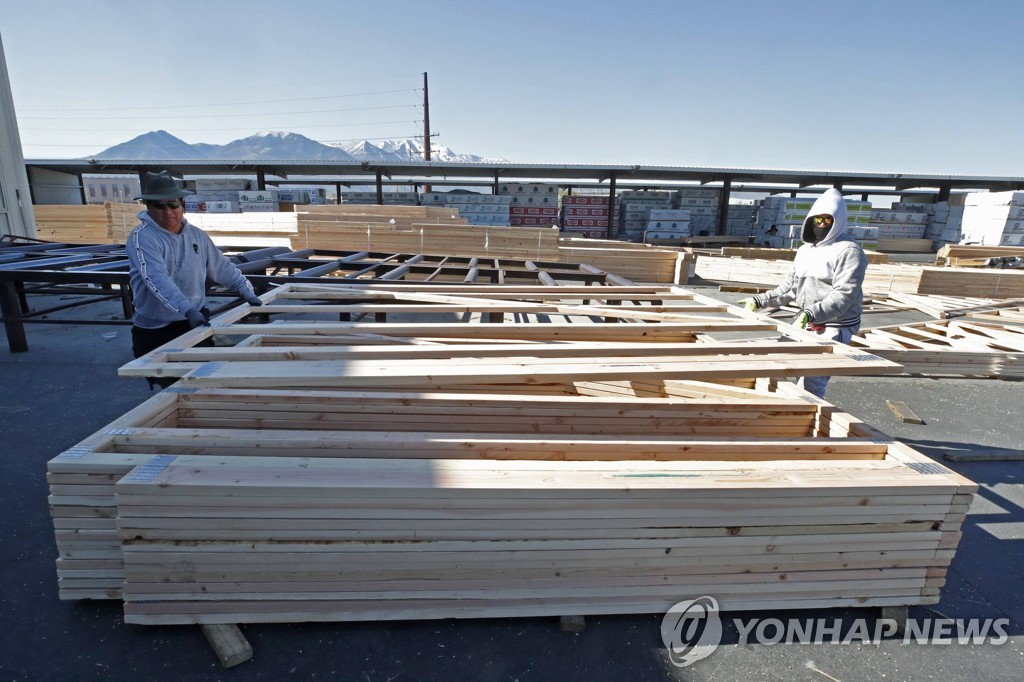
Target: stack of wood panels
[952,254]
[428,238]
[358,424]
[783,254]
[647,265]
[280,540]
[72,224]
[879,279]
[699,509]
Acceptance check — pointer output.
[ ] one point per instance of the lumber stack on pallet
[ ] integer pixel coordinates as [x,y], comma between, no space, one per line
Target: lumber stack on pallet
[596,453]
[429,238]
[71,224]
[82,478]
[407,432]
[899,245]
[782,254]
[363,539]
[637,265]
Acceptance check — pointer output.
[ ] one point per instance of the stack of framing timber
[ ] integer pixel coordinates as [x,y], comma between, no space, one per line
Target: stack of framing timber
[905,245]
[951,254]
[71,224]
[650,265]
[366,539]
[428,238]
[879,279]
[570,460]
[783,254]
[607,440]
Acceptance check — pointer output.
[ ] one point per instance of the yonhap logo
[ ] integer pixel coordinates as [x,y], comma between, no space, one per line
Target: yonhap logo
[691,630]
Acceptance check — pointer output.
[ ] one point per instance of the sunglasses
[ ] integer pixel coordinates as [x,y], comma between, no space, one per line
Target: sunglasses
[163,205]
[820,220]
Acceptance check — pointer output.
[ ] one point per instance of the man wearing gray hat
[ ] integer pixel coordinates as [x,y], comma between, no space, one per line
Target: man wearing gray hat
[170,262]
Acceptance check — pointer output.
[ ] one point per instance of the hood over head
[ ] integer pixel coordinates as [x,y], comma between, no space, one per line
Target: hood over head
[832,203]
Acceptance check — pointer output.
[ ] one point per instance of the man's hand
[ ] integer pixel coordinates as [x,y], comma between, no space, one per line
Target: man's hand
[252,299]
[750,304]
[196,318]
[803,319]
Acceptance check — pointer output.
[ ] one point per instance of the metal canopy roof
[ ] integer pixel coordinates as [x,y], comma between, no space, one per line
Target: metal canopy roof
[349,171]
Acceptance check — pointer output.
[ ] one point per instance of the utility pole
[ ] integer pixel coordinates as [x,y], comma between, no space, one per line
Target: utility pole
[426,126]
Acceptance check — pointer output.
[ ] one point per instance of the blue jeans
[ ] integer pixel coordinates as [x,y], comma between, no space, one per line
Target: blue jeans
[817,385]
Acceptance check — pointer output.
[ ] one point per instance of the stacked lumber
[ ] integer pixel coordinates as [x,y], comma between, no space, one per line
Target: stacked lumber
[122,219]
[904,245]
[952,254]
[879,279]
[365,539]
[558,485]
[225,229]
[82,478]
[402,215]
[782,254]
[650,265]
[598,453]
[428,238]
[71,224]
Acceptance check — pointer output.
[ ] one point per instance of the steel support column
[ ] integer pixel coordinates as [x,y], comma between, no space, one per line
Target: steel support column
[944,190]
[261,180]
[723,206]
[380,188]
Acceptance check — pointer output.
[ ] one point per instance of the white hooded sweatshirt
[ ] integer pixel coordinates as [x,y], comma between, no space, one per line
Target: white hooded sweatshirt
[827,277]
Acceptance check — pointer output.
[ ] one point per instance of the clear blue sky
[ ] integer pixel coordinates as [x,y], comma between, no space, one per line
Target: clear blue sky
[897,86]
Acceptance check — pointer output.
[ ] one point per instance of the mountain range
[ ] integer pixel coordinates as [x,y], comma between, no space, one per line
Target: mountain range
[159,145]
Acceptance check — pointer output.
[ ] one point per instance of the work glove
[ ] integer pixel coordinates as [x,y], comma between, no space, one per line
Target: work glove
[803,320]
[196,318]
[252,299]
[750,304]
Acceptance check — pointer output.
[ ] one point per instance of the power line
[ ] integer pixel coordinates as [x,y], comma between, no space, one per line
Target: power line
[233,104]
[265,127]
[276,113]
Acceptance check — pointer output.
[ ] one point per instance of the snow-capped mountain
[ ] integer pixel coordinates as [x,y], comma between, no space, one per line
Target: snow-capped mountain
[160,145]
[409,149]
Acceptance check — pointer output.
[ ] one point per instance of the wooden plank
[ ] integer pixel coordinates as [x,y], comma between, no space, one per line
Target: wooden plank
[228,642]
[903,412]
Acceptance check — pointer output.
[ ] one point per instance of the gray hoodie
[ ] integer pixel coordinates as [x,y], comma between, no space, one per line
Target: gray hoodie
[826,278]
[169,271]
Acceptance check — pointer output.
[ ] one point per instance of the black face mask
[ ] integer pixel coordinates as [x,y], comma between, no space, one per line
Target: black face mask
[820,232]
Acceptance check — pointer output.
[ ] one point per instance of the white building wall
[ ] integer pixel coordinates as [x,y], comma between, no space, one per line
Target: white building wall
[16,216]
[117,189]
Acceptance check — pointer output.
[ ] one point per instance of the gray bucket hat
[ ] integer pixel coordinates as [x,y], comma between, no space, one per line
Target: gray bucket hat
[161,187]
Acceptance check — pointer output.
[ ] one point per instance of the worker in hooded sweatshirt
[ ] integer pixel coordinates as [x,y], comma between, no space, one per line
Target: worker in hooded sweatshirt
[825,281]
